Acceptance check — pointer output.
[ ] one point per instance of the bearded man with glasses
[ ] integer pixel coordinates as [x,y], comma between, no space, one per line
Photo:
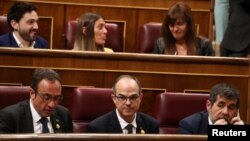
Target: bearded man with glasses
[42,112]
[126,119]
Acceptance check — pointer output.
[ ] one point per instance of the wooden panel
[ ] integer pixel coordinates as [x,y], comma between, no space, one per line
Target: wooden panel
[173,73]
[47,29]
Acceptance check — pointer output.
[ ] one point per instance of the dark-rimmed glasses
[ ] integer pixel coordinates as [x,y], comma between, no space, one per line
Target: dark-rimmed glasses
[123,99]
[47,98]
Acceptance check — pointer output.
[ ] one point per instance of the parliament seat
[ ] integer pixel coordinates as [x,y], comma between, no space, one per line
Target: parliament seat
[171,107]
[147,35]
[4,27]
[13,94]
[88,104]
[114,37]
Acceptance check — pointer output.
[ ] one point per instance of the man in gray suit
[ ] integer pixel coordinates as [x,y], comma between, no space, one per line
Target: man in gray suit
[41,113]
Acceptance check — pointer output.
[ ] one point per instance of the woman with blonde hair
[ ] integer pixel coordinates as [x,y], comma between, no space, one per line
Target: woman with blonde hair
[91,33]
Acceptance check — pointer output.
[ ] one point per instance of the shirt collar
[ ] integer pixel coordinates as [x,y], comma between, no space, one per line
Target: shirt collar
[210,121]
[35,115]
[19,42]
[123,123]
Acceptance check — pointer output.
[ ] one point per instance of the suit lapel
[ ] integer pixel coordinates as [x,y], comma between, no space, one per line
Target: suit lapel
[114,125]
[26,118]
[56,123]
[13,42]
[140,128]
[204,124]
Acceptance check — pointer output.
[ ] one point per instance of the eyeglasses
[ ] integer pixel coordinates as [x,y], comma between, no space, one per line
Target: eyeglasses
[123,99]
[48,98]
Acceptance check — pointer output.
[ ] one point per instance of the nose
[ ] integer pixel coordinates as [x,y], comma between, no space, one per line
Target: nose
[175,27]
[35,25]
[52,104]
[128,102]
[105,30]
[225,110]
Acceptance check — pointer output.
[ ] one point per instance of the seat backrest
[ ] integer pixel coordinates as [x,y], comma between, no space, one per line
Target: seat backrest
[114,36]
[172,107]
[4,27]
[88,104]
[148,34]
[13,94]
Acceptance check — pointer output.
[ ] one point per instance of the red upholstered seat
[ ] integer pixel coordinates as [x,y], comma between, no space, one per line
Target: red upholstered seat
[13,94]
[4,27]
[172,107]
[114,37]
[148,34]
[88,104]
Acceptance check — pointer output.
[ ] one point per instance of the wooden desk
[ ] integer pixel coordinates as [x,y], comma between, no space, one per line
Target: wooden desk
[101,137]
[156,72]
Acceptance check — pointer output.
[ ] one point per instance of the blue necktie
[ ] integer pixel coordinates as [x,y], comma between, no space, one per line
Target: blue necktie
[44,122]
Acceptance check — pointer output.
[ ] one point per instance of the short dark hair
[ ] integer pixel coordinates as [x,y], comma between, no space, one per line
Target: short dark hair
[224,90]
[17,10]
[126,76]
[40,74]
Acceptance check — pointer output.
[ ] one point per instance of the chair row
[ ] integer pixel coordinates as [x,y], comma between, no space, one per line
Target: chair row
[148,33]
[90,103]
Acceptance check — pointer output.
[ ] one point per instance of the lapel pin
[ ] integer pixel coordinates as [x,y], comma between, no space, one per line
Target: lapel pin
[57,126]
[142,131]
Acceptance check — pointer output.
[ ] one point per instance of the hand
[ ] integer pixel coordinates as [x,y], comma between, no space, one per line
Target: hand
[221,121]
[236,120]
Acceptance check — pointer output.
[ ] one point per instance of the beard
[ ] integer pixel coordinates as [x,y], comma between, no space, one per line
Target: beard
[27,36]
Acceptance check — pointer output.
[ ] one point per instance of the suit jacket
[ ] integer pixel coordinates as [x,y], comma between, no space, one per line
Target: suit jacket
[109,123]
[18,119]
[237,34]
[8,40]
[203,46]
[194,124]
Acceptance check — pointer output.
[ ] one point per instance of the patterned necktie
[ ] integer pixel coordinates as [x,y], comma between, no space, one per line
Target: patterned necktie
[129,127]
[44,122]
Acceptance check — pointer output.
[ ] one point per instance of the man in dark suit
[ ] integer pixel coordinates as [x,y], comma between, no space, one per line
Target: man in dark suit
[23,20]
[222,109]
[127,97]
[236,41]
[41,113]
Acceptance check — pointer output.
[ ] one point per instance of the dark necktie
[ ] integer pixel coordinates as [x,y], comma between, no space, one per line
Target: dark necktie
[44,122]
[129,127]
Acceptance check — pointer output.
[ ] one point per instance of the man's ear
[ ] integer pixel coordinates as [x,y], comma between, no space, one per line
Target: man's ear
[208,105]
[14,24]
[32,93]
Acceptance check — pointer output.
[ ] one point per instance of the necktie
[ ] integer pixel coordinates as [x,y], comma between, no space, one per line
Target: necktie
[44,122]
[129,127]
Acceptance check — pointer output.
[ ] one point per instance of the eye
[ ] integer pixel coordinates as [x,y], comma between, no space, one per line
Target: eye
[232,107]
[221,105]
[46,97]
[122,97]
[134,97]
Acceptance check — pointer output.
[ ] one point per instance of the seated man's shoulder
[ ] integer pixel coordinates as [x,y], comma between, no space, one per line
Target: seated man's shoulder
[15,108]
[102,119]
[4,39]
[196,117]
[41,42]
[146,117]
